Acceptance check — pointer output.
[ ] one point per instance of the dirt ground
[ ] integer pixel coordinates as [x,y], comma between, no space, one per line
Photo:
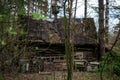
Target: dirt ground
[54,76]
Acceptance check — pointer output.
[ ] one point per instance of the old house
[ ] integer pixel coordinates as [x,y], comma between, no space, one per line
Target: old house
[45,39]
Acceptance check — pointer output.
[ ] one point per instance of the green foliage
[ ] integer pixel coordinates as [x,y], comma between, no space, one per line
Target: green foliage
[36,48]
[11,31]
[96,70]
[51,35]
[22,32]
[20,5]
[38,16]
[4,17]
[112,65]
[119,46]
[3,42]
[1,19]
[1,77]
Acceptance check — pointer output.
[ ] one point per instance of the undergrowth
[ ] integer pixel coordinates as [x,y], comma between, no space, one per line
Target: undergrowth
[111,66]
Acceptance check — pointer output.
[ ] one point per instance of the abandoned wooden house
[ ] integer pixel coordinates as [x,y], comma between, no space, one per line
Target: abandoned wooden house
[45,41]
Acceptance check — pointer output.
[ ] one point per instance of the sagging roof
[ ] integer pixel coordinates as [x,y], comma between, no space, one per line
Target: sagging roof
[51,31]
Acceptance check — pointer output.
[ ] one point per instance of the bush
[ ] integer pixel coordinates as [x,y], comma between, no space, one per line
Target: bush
[112,64]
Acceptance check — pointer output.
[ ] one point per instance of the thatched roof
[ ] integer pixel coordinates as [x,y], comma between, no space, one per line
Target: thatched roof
[53,31]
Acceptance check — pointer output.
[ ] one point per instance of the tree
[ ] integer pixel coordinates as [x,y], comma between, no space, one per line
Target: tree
[101,27]
[68,44]
[9,44]
[85,13]
[106,21]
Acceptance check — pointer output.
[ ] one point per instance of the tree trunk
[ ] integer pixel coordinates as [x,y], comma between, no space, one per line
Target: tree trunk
[28,7]
[71,49]
[85,13]
[106,21]
[68,44]
[101,30]
[101,27]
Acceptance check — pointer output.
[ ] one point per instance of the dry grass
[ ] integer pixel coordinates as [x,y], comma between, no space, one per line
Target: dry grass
[56,76]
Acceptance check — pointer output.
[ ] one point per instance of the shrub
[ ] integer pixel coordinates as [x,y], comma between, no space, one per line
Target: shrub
[112,64]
